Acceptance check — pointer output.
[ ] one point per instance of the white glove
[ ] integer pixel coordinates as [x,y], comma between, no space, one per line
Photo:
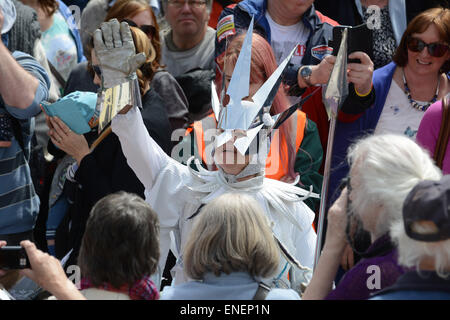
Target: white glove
[114,47]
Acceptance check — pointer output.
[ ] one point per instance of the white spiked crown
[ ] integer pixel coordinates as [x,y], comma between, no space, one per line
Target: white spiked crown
[250,116]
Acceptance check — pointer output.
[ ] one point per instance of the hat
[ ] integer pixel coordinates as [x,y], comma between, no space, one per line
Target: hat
[76,110]
[428,201]
[9,15]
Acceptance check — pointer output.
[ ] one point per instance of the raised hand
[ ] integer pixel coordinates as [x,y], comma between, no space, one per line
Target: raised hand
[114,47]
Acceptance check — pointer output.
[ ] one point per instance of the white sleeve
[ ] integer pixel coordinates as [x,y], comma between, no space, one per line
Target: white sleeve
[143,154]
[305,241]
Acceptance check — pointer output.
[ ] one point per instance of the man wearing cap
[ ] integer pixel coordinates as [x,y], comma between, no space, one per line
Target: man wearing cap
[23,85]
[423,240]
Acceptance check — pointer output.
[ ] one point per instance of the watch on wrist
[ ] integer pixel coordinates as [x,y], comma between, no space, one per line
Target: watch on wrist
[305,73]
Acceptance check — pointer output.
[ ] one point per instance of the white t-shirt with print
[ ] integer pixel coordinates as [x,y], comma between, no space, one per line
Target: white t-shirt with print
[59,45]
[398,116]
[285,38]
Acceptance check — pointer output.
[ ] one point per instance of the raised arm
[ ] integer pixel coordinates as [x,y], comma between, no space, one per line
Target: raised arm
[115,50]
[23,83]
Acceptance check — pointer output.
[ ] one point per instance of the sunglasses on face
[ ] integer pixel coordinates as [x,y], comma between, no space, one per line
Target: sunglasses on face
[148,29]
[435,49]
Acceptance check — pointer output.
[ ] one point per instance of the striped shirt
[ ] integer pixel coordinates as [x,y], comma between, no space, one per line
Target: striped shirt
[19,204]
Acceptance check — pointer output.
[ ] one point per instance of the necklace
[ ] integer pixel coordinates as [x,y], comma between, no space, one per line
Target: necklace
[413,102]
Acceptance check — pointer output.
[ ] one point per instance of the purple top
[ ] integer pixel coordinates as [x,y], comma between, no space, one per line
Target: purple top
[428,133]
[361,280]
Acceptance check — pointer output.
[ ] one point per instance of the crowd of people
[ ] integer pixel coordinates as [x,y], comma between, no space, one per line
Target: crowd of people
[177,150]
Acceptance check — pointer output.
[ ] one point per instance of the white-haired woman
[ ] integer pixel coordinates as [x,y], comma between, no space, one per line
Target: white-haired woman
[384,169]
[423,240]
[229,251]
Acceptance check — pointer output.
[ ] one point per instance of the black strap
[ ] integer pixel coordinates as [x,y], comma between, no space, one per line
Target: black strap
[57,75]
[17,130]
[262,292]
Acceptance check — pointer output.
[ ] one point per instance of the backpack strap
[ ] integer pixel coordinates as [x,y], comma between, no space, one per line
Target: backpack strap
[444,133]
[262,292]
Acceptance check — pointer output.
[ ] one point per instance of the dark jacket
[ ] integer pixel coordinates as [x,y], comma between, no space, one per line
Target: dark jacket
[105,170]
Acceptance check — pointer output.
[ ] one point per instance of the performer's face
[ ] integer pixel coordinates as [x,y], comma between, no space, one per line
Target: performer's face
[228,157]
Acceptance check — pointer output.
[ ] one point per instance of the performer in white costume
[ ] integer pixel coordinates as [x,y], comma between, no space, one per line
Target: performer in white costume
[176,192]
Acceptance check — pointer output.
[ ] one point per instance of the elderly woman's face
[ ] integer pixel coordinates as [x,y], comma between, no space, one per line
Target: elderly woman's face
[423,62]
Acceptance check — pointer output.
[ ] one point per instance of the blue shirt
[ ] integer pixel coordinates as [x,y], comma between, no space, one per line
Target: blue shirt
[19,204]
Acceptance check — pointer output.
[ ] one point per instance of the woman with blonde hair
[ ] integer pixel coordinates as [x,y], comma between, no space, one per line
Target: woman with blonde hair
[229,252]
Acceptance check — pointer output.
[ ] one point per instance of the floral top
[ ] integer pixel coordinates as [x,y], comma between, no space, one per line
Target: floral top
[384,44]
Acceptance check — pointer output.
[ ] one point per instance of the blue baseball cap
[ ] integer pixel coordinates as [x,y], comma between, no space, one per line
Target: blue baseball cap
[76,110]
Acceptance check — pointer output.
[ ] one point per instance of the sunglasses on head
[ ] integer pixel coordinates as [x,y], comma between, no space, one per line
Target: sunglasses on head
[435,49]
[148,29]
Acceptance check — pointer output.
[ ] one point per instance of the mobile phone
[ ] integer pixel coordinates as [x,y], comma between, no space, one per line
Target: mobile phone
[359,38]
[13,257]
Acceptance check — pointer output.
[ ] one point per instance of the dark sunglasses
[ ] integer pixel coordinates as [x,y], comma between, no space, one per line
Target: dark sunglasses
[148,29]
[435,49]
[97,70]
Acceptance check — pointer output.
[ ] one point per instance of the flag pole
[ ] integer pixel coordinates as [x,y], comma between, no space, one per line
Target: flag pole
[333,96]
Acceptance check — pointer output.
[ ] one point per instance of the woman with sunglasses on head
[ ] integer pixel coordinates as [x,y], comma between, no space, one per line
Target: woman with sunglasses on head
[405,88]
[138,13]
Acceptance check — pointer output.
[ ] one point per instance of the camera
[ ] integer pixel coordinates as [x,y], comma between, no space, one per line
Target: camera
[13,257]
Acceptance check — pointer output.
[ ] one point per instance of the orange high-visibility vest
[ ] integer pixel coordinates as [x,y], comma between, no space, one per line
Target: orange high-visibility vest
[277,159]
